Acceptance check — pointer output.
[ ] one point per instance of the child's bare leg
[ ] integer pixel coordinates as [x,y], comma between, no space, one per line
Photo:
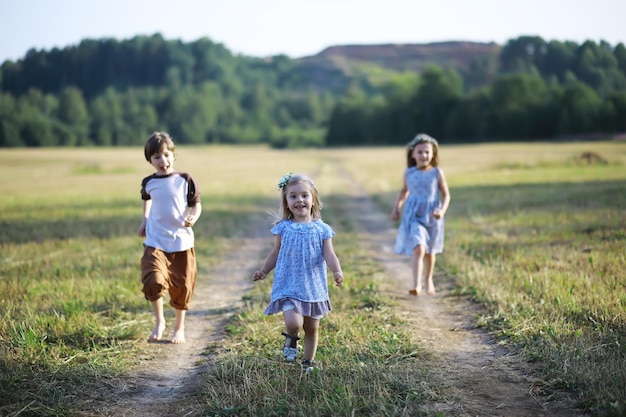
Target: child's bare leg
[179,326]
[430,268]
[293,323]
[159,320]
[418,269]
[311,336]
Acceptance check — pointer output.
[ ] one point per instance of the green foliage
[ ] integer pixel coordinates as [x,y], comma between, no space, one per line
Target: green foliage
[108,92]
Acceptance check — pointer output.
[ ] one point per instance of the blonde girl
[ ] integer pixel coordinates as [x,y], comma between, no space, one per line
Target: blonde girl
[302,252]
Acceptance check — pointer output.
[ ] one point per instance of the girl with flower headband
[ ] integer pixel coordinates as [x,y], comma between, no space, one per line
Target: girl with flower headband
[420,232]
[302,252]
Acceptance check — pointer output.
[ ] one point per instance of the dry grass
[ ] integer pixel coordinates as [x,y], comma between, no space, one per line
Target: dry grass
[533,232]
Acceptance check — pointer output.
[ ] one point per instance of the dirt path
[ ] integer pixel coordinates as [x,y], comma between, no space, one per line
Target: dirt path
[164,382]
[484,379]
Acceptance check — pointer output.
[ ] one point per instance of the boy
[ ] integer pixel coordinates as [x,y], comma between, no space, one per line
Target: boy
[171,206]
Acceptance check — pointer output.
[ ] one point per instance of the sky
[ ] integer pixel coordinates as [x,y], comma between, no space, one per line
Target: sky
[301,28]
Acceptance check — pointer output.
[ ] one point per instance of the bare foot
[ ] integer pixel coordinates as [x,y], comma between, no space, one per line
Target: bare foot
[179,336]
[431,290]
[157,333]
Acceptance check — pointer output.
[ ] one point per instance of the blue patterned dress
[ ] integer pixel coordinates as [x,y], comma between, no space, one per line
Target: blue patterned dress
[300,275]
[418,226]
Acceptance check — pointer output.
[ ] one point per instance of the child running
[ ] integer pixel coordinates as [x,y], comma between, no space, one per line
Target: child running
[421,229]
[171,206]
[303,249]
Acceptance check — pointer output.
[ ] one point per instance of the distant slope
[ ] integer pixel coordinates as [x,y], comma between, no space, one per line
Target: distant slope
[409,57]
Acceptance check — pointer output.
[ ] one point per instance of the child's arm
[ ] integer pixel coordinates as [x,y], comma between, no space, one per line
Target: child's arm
[192,214]
[332,261]
[270,262]
[404,191]
[445,196]
[141,231]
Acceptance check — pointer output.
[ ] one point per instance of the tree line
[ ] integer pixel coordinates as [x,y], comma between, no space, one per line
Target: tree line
[114,93]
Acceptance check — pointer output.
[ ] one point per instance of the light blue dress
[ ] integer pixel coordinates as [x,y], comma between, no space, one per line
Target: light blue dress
[418,226]
[300,275]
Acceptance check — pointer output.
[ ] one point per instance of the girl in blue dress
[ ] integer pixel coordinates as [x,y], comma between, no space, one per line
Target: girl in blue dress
[303,250]
[420,233]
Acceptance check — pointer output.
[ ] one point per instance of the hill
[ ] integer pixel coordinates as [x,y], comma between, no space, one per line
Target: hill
[336,67]
[411,57]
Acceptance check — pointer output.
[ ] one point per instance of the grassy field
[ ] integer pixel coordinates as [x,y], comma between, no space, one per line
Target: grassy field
[534,232]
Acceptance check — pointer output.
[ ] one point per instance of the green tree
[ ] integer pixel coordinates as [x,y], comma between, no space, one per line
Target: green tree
[525,54]
[35,127]
[437,95]
[73,112]
[106,118]
[479,73]
[620,56]
[348,120]
[395,119]
[517,101]
[469,120]
[616,114]
[560,59]
[9,122]
[597,67]
[580,109]
[138,117]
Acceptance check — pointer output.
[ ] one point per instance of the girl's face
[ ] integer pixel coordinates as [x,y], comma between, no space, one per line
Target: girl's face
[299,201]
[163,161]
[423,154]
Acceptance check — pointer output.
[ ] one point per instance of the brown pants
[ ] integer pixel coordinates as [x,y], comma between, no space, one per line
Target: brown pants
[163,272]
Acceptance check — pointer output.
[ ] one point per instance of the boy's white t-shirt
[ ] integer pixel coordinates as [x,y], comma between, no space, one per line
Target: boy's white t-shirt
[170,195]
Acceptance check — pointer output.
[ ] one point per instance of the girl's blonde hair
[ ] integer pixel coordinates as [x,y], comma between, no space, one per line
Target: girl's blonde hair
[422,138]
[291,179]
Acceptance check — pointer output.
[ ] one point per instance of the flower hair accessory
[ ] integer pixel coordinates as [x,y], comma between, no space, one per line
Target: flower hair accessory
[422,138]
[283,181]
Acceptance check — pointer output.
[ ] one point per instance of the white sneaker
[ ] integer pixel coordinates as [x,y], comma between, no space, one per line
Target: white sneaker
[290,353]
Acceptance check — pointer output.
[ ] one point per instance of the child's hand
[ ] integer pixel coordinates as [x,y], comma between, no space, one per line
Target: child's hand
[190,221]
[395,214]
[438,214]
[141,231]
[258,275]
[338,278]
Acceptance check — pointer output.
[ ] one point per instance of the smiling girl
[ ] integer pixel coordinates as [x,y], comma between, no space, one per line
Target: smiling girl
[302,252]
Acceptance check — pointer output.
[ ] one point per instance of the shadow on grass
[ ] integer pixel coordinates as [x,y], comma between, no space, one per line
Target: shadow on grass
[558,196]
[81,221]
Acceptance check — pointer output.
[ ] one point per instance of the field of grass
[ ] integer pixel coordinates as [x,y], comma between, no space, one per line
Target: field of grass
[533,232]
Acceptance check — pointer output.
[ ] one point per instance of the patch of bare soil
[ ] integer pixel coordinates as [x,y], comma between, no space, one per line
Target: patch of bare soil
[485,379]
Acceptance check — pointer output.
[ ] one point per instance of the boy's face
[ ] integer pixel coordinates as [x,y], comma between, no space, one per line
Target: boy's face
[163,161]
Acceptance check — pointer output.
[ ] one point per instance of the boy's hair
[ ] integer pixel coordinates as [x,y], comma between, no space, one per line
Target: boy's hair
[291,179]
[422,138]
[156,142]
